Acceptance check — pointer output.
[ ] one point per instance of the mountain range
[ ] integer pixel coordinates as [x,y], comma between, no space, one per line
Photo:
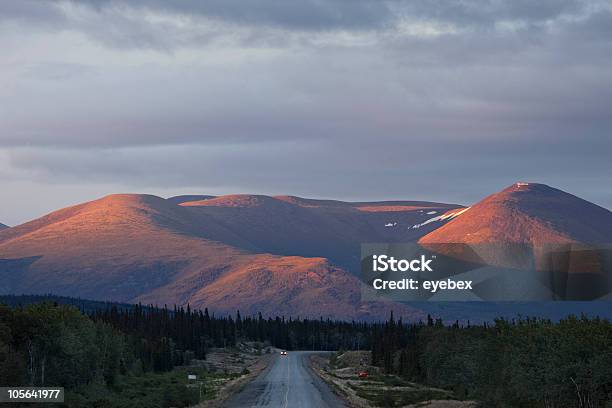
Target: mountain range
[281,255]
[277,255]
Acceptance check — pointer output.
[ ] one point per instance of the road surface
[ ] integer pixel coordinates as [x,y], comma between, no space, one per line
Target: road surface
[289,382]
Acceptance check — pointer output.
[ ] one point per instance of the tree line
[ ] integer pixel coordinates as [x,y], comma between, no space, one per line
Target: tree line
[507,363]
[166,338]
[524,362]
[50,343]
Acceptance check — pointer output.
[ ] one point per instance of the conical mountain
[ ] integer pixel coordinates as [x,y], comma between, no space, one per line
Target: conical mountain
[528,213]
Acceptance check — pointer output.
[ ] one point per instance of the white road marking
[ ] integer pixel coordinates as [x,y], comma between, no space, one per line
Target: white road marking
[288,379]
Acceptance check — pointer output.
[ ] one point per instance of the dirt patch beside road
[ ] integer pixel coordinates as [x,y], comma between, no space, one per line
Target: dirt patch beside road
[378,389]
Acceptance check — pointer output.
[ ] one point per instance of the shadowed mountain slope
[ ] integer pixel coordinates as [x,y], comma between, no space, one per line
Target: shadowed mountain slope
[287,225]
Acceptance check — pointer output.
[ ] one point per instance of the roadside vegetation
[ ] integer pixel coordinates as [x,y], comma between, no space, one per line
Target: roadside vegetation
[519,363]
[100,366]
[379,389]
[110,355]
[116,355]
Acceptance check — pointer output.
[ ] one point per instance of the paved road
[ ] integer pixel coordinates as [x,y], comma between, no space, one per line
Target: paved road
[289,382]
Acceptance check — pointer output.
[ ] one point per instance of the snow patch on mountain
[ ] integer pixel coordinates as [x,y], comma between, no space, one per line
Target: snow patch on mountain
[447,216]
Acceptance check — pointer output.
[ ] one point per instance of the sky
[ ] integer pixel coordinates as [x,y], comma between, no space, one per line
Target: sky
[348,99]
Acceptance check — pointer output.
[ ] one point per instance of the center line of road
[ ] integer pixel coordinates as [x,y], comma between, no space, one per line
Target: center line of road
[288,378]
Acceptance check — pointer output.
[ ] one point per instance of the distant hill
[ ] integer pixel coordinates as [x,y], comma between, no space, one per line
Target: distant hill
[528,213]
[2,226]
[282,255]
[287,225]
[256,253]
[85,305]
[564,241]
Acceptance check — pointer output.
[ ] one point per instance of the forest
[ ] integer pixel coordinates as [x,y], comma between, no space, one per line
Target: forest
[527,362]
[83,345]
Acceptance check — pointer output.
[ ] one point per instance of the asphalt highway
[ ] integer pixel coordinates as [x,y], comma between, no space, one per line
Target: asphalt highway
[288,382]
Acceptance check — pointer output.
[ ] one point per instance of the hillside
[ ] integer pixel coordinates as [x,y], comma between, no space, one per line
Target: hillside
[287,225]
[2,226]
[560,240]
[227,255]
[278,255]
[528,213]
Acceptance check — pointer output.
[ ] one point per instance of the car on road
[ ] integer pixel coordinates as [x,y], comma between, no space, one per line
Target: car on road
[283,353]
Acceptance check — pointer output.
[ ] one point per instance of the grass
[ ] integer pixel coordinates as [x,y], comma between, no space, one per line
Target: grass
[151,390]
[379,389]
[381,397]
[392,391]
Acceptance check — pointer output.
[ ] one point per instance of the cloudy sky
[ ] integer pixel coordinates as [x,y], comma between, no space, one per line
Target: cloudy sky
[348,99]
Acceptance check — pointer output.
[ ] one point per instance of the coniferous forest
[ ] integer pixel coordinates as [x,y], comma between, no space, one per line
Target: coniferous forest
[521,363]
[73,343]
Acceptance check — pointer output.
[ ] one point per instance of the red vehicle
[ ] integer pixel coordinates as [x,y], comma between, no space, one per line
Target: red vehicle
[363,374]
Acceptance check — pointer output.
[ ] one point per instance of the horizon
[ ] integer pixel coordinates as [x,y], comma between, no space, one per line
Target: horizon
[298,196]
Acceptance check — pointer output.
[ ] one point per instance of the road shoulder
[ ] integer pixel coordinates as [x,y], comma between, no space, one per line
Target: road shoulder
[319,365]
[236,385]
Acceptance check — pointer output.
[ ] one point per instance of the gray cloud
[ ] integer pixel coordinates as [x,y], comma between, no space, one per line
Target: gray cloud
[461,171]
[308,15]
[170,24]
[441,100]
[31,11]
[322,15]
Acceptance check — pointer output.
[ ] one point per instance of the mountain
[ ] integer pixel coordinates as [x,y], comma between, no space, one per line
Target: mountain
[530,236]
[278,255]
[287,225]
[254,253]
[2,226]
[527,213]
